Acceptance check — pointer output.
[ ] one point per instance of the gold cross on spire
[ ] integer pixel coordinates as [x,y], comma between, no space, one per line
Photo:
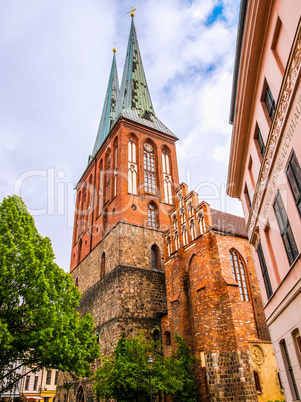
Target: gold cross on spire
[132,12]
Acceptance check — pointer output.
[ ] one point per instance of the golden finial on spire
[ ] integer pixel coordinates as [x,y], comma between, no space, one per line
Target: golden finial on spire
[114,48]
[132,12]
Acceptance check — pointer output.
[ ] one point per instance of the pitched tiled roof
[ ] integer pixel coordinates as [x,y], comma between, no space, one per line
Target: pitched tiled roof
[227,223]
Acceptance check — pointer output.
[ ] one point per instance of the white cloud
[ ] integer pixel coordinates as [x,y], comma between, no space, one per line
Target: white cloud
[56,58]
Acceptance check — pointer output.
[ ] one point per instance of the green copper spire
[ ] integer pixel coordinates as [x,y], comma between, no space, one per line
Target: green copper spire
[134,101]
[109,107]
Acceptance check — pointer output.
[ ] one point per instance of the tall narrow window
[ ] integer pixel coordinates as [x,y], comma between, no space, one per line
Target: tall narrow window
[35,384]
[269,102]
[184,235]
[264,270]
[260,142]
[177,240]
[182,215]
[151,215]
[247,195]
[174,222]
[132,166]
[103,265]
[107,181]
[154,257]
[257,382]
[285,229]
[100,187]
[56,377]
[27,382]
[149,169]
[192,229]
[201,220]
[189,209]
[166,177]
[289,371]
[48,377]
[293,173]
[238,272]
[115,169]
[180,199]
[168,243]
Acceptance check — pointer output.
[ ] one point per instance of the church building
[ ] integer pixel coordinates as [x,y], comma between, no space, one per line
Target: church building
[146,255]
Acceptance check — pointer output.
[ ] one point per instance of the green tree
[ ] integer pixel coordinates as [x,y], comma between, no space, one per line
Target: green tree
[124,376]
[39,325]
[185,369]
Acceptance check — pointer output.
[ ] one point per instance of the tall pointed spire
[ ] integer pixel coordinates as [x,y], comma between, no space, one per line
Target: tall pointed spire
[109,107]
[134,101]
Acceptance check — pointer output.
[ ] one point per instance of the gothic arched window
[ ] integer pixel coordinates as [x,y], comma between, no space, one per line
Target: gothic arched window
[80,396]
[238,272]
[189,209]
[168,243]
[115,167]
[201,220]
[132,166]
[107,181]
[184,235]
[166,176]
[100,186]
[151,215]
[192,229]
[149,169]
[177,240]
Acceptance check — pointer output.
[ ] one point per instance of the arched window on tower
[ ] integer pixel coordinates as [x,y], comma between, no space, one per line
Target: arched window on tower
[155,257]
[166,176]
[149,169]
[89,201]
[100,187]
[180,199]
[202,224]
[174,222]
[103,265]
[189,209]
[115,167]
[152,215]
[132,166]
[238,272]
[107,181]
[105,221]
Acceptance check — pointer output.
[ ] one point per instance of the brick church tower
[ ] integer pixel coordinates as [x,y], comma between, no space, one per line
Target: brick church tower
[121,210]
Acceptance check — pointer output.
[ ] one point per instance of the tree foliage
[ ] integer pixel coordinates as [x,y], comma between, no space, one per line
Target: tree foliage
[39,325]
[124,376]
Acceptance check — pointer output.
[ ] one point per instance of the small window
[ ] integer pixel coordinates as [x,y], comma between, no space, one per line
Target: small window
[257,382]
[27,382]
[247,195]
[269,102]
[76,281]
[201,220]
[238,271]
[35,384]
[168,243]
[285,229]
[48,377]
[293,173]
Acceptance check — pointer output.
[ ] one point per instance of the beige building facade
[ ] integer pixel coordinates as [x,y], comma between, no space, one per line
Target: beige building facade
[264,169]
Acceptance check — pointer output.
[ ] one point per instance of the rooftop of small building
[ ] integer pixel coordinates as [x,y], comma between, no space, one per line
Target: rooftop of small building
[228,223]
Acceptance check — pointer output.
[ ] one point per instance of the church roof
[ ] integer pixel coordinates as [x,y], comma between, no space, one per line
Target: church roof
[108,112]
[228,223]
[134,101]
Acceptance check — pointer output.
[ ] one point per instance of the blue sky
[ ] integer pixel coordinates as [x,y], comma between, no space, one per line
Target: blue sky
[55,62]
